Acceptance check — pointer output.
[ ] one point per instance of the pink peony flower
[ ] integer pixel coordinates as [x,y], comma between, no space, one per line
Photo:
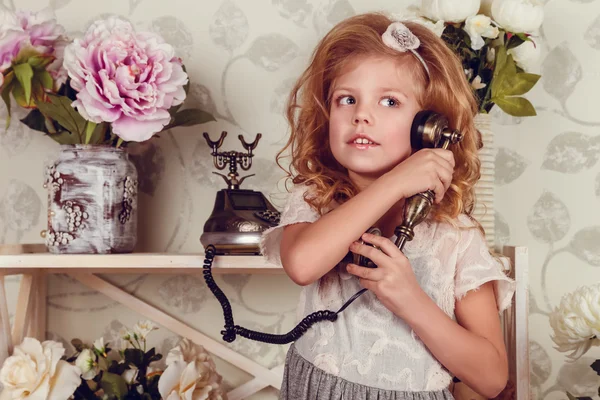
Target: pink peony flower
[39,31]
[12,37]
[42,30]
[125,78]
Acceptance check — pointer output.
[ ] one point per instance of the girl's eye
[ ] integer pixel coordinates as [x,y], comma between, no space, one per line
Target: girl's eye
[346,100]
[390,102]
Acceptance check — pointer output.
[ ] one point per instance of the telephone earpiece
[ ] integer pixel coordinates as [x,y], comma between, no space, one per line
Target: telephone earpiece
[429,130]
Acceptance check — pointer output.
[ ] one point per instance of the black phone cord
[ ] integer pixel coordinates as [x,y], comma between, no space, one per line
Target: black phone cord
[231,330]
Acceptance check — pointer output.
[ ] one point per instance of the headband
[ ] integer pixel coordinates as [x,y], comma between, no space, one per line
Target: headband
[398,37]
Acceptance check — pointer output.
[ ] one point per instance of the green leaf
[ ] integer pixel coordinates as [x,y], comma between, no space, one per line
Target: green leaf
[134,356]
[45,79]
[59,108]
[514,41]
[520,84]
[6,98]
[98,137]
[596,367]
[40,62]
[35,120]
[113,385]
[190,117]
[119,142]
[19,95]
[65,137]
[24,74]
[25,54]
[89,130]
[515,106]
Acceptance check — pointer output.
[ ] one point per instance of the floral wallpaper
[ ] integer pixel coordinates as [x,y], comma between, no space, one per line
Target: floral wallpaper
[243,57]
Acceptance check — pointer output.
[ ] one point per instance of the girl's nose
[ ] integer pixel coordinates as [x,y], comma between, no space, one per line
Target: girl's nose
[362,117]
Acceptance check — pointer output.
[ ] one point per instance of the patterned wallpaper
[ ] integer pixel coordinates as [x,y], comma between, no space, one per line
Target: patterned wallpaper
[242,57]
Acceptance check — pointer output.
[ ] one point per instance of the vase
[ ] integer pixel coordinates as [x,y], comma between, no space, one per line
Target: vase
[484,189]
[92,201]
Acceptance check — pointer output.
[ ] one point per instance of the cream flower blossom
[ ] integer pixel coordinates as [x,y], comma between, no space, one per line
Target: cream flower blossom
[477,84]
[576,322]
[36,371]
[87,363]
[526,55]
[143,328]
[479,27]
[190,374]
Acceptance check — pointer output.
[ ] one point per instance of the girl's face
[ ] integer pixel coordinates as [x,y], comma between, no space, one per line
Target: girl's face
[373,105]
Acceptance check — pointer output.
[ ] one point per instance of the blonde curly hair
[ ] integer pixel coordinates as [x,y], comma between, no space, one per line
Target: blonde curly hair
[446,91]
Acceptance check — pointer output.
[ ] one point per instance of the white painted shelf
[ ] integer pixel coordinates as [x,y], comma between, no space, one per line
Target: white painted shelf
[35,257]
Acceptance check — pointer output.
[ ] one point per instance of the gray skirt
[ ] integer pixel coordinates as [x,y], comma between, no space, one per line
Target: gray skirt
[304,381]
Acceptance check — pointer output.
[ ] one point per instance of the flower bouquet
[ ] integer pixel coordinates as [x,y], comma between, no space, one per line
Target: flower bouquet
[576,325]
[495,40]
[41,371]
[93,95]
[112,86]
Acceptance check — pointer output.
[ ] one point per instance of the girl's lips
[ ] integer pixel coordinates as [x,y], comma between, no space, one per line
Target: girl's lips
[363,146]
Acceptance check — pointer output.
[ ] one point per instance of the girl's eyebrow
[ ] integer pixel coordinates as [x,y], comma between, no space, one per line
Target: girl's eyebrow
[381,89]
[395,90]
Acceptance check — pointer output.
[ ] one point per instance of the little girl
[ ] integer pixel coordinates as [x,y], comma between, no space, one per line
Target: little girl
[430,313]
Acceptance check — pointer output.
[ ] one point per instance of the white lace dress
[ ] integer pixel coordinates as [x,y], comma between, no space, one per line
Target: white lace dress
[368,345]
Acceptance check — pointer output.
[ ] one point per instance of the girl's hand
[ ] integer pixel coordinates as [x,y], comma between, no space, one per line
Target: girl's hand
[393,281]
[427,169]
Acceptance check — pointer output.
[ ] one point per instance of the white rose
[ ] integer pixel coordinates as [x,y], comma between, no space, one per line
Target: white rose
[143,328]
[87,362]
[449,10]
[36,371]
[478,27]
[576,322]
[412,15]
[518,16]
[190,370]
[526,55]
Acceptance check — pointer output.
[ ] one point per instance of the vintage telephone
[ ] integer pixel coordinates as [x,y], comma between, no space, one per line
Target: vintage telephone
[239,216]
[429,130]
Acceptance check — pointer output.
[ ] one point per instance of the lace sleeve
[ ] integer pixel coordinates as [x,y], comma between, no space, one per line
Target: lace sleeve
[476,266]
[296,210]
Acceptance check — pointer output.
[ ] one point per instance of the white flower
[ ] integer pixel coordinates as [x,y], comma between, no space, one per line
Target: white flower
[191,373]
[35,371]
[130,375]
[143,328]
[477,84]
[478,27]
[87,362]
[100,347]
[518,16]
[449,10]
[125,333]
[491,55]
[412,15]
[526,55]
[576,322]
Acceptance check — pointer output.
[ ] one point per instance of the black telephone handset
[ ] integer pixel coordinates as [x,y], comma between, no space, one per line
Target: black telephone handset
[429,129]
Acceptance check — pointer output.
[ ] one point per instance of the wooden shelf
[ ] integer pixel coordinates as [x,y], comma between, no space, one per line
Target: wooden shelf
[14,260]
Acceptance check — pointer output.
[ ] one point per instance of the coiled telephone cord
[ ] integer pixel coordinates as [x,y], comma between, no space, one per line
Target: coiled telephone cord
[231,330]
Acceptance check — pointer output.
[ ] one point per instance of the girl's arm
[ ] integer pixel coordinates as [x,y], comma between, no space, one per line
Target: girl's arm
[472,349]
[310,250]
